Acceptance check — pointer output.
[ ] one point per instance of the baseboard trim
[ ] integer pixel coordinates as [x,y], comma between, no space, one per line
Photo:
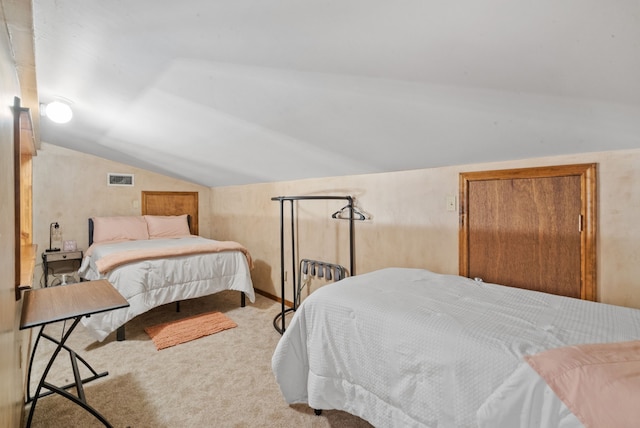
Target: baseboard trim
[272,297]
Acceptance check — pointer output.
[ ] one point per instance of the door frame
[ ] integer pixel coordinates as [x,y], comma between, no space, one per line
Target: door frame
[588,212]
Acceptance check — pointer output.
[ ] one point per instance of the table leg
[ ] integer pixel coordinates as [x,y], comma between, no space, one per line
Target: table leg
[80,400]
[33,354]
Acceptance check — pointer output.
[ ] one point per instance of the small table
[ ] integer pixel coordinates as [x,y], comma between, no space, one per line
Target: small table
[48,305]
[53,257]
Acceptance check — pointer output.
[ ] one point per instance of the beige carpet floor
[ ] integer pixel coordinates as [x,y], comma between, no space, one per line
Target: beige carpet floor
[222,380]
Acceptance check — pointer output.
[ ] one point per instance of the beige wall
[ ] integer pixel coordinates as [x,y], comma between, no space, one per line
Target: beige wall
[410,225]
[69,187]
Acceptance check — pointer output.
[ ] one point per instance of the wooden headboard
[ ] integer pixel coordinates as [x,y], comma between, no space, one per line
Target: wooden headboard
[172,203]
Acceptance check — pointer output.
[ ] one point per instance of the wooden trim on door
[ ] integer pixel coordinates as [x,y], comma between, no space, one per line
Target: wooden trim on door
[588,211]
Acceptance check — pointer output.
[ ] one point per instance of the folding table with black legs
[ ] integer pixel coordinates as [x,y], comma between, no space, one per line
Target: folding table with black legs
[66,302]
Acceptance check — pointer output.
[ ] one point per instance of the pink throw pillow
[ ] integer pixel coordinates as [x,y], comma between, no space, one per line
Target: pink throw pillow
[167,226]
[119,228]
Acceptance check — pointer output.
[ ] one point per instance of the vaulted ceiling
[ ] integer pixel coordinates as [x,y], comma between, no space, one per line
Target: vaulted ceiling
[246,91]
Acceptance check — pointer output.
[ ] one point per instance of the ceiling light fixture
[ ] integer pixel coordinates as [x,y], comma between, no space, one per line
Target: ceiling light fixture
[58,112]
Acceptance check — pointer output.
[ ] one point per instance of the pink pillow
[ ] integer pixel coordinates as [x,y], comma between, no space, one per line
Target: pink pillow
[119,228]
[167,226]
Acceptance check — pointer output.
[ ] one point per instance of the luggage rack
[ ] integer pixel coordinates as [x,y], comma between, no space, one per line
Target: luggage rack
[318,269]
[311,268]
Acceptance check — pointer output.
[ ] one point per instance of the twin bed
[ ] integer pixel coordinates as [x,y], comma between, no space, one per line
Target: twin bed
[153,260]
[412,348]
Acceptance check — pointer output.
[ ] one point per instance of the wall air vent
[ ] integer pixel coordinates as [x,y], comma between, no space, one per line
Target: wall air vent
[115,179]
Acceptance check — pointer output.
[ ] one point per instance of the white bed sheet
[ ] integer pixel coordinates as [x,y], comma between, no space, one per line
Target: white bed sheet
[151,283]
[411,348]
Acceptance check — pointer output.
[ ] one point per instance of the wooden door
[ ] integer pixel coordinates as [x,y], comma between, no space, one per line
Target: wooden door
[531,228]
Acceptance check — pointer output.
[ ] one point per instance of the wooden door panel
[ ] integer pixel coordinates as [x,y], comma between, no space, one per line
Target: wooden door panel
[531,228]
[526,233]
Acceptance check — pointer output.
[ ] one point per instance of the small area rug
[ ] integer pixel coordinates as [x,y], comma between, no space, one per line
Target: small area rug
[184,330]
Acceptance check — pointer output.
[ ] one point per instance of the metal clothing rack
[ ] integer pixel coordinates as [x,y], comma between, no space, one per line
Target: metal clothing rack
[291,199]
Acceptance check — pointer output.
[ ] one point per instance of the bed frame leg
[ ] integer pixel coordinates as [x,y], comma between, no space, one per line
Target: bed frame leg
[243,300]
[120,333]
[318,412]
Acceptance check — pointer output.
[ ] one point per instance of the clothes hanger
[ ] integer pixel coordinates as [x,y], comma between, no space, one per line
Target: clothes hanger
[343,214]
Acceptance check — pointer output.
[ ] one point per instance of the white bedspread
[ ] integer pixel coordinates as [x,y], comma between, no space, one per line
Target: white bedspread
[151,283]
[525,400]
[411,348]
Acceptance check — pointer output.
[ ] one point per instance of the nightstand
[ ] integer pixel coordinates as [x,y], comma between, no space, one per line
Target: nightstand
[62,259]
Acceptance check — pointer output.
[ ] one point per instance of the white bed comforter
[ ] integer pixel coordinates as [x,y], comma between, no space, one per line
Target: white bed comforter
[150,283]
[411,348]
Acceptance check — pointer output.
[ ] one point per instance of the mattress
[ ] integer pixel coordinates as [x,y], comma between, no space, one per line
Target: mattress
[149,283]
[412,348]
